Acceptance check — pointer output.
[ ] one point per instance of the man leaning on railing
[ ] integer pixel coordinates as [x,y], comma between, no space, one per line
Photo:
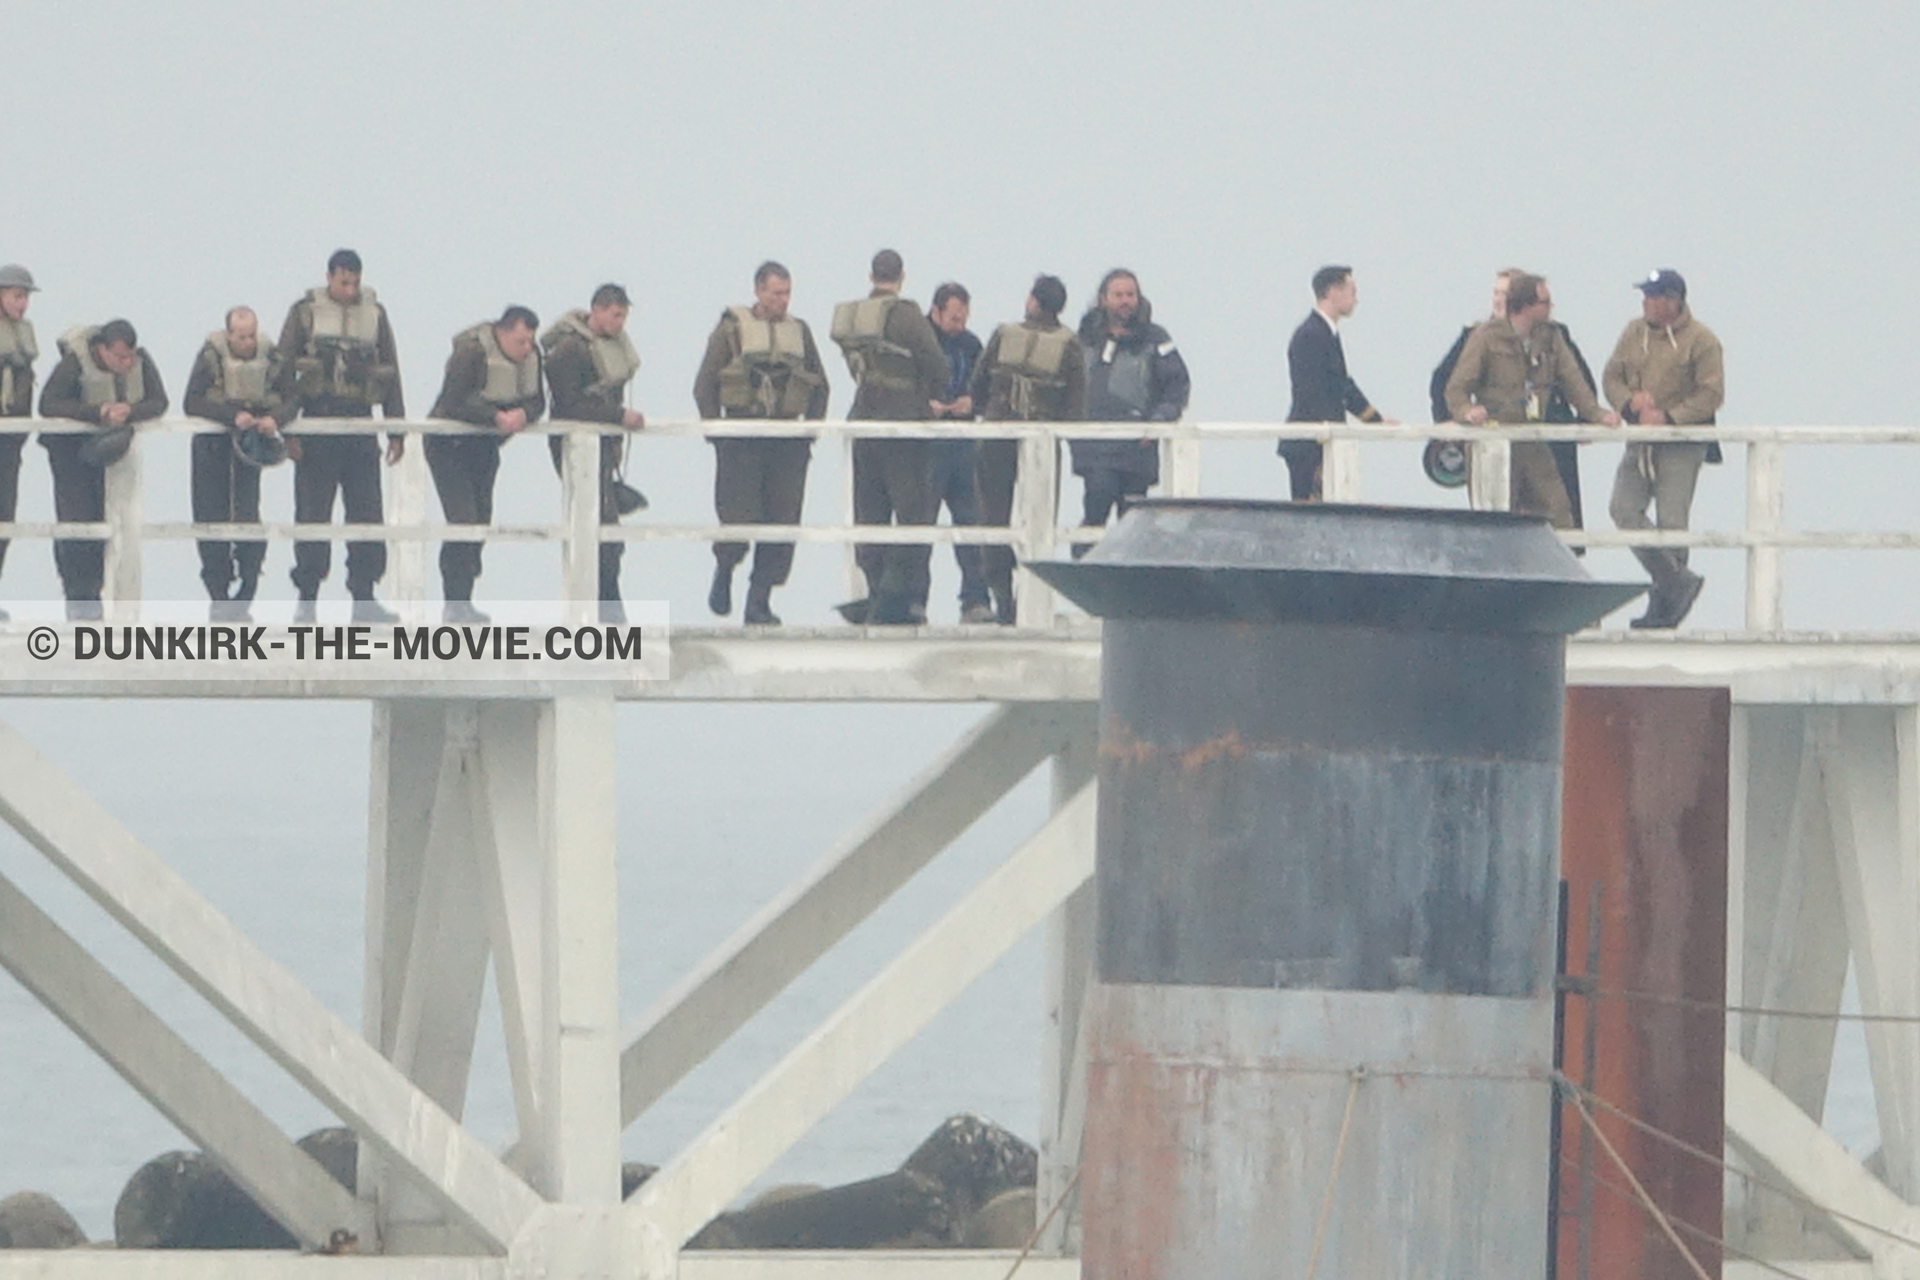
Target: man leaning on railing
[1666,370]
[235,381]
[107,379]
[1509,369]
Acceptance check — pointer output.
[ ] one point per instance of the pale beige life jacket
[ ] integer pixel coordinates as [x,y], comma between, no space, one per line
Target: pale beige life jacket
[342,358]
[614,359]
[860,327]
[768,375]
[245,384]
[100,386]
[508,381]
[18,351]
[1029,368]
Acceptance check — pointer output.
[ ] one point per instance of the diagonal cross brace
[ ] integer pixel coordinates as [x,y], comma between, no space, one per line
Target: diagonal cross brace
[870,1027]
[188,1090]
[778,943]
[137,888]
[1765,1127]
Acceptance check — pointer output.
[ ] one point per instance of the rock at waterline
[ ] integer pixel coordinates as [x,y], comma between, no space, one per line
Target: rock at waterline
[973,1160]
[184,1200]
[1004,1222]
[900,1209]
[31,1220]
[928,1202]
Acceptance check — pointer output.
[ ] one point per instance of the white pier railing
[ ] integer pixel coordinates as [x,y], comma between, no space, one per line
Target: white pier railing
[1034,531]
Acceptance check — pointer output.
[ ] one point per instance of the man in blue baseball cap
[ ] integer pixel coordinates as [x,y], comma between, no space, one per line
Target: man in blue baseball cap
[1666,371]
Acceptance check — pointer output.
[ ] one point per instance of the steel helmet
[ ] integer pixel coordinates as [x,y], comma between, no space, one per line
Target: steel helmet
[15,276]
[259,449]
[1445,462]
[106,446]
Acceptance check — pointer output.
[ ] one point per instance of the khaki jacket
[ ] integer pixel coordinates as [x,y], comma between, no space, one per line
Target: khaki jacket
[1499,372]
[1681,367]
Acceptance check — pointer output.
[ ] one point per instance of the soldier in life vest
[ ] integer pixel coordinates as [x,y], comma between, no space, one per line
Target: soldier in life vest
[590,362]
[340,363]
[106,379]
[1134,374]
[235,382]
[18,351]
[900,372]
[760,363]
[1034,371]
[493,382]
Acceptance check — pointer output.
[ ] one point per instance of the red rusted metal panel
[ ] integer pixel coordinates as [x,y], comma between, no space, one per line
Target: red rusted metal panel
[1644,823]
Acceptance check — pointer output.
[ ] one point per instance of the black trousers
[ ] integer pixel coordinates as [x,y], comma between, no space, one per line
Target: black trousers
[956,482]
[999,468]
[1105,488]
[1566,460]
[349,466]
[1303,468]
[610,552]
[893,484]
[10,445]
[79,494]
[463,469]
[760,482]
[226,490]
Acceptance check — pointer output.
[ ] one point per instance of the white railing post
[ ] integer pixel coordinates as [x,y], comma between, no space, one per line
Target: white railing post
[1490,474]
[122,581]
[407,509]
[1766,507]
[1033,517]
[1340,470]
[580,518]
[1180,464]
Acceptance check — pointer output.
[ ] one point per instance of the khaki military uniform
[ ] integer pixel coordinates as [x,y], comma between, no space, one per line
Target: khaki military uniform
[225,489]
[900,369]
[480,382]
[1031,372]
[587,377]
[756,368]
[78,388]
[18,350]
[339,362]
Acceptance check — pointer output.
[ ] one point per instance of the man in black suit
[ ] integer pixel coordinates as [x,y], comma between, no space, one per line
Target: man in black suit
[1322,390]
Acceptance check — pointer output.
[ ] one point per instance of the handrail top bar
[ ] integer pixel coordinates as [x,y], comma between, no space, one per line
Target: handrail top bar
[747,428]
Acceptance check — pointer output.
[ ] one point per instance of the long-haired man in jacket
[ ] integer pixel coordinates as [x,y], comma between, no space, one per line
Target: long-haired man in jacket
[1134,374]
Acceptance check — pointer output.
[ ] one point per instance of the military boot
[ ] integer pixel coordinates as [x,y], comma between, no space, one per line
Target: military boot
[759,608]
[720,592]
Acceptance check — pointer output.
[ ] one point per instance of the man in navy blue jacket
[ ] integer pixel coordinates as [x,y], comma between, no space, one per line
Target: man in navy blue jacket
[1322,389]
[955,460]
